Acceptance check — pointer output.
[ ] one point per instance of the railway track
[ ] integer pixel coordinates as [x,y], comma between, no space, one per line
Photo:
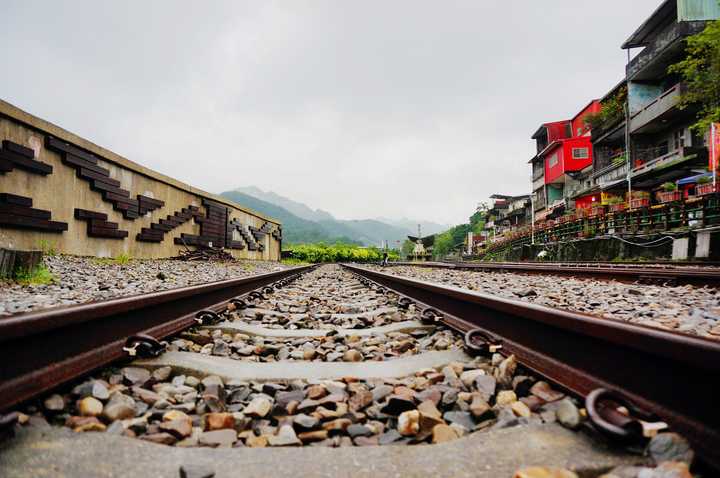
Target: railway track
[660,272]
[350,357]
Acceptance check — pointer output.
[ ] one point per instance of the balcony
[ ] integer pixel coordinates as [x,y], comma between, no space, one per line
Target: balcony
[652,62]
[660,108]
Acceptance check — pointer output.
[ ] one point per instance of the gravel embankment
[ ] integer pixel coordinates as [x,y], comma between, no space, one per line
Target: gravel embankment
[86,279]
[687,308]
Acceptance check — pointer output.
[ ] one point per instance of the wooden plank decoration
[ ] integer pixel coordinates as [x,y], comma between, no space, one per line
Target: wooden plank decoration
[215,229]
[87,168]
[98,225]
[14,155]
[148,204]
[156,232]
[17,212]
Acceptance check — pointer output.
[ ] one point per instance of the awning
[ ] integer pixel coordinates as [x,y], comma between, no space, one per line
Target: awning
[693,179]
[541,215]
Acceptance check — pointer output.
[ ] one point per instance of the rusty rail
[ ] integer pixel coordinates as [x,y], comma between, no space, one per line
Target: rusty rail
[672,375]
[659,272]
[40,350]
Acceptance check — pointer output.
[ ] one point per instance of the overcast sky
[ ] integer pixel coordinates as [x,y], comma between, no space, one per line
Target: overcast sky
[362,108]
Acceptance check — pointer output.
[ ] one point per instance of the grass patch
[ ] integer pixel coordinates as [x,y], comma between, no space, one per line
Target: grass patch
[40,275]
[293,262]
[47,248]
[120,260]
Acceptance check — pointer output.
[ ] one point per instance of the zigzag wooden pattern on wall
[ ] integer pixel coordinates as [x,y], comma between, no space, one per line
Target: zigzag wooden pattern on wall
[156,232]
[148,204]
[14,155]
[215,229]
[98,225]
[87,168]
[245,238]
[17,212]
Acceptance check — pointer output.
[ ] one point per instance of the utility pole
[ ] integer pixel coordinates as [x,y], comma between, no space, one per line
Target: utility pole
[627,134]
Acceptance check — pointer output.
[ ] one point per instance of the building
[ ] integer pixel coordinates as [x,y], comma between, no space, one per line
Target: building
[609,170]
[507,214]
[564,152]
[662,148]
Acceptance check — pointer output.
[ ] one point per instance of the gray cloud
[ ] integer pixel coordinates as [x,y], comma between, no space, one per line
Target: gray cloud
[402,108]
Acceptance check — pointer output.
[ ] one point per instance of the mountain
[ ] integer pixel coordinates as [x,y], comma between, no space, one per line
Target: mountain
[295,229]
[426,227]
[367,231]
[297,208]
[299,228]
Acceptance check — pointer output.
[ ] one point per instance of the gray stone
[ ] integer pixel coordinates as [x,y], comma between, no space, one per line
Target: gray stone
[305,421]
[54,403]
[464,419]
[161,374]
[135,375]
[670,447]
[196,471]
[225,437]
[568,414]
[356,430]
[285,437]
[389,437]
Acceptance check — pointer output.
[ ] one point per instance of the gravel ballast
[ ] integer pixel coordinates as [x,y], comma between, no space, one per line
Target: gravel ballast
[87,279]
[689,309]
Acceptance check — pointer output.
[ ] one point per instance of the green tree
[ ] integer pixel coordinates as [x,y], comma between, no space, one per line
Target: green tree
[701,72]
[407,248]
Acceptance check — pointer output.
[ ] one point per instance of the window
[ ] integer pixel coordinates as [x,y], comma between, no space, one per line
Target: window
[580,153]
[678,139]
[580,131]
[553,160]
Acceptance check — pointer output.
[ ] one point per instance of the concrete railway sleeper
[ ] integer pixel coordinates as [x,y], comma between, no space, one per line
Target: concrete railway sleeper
[346,357]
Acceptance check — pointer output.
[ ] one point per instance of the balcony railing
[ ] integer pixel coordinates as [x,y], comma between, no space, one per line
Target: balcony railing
[659,106]
[649,161]
[672,34]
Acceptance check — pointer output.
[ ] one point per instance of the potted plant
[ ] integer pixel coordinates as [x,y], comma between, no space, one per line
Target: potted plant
[639,199]
[616,204]
[669,193]
[705,186]
[597,210]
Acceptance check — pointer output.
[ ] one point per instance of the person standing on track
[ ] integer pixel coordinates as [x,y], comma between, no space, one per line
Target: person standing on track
[385,258]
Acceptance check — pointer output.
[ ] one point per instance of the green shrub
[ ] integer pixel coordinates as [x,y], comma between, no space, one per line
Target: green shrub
[319,253]
[37,276]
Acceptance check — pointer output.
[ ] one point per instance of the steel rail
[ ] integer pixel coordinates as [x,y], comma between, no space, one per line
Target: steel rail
[624,272]
[672,375]
[41,350]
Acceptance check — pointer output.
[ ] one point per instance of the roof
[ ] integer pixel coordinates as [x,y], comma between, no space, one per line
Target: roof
[584,108]
[427,241]
[545,125]
[644,33]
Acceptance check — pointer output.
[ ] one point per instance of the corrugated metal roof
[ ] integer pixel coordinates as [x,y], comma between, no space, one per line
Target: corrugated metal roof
[693,10]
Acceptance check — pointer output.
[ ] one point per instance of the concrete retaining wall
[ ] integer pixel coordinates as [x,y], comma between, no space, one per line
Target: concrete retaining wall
[609,249]
[60,191]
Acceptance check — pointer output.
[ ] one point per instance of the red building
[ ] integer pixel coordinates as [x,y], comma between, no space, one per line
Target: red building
[564,148]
